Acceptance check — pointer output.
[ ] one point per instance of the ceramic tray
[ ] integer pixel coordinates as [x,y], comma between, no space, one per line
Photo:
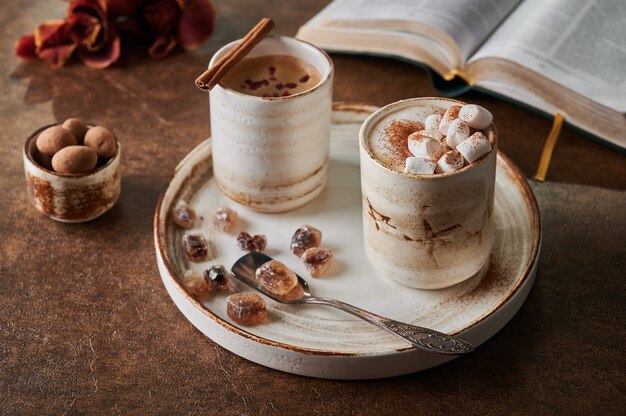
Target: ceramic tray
[318,341]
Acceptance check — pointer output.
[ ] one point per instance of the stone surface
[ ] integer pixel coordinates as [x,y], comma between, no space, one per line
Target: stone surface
[86,326]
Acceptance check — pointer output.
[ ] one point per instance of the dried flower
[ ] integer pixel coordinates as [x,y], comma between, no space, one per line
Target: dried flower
[50,42]
[187,23]
[96,36]
[91,30]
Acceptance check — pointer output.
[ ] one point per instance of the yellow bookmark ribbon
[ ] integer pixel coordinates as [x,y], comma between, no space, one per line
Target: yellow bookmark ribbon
[548,148]
[455,72]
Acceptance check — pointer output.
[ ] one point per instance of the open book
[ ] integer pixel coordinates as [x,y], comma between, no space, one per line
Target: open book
[565,56]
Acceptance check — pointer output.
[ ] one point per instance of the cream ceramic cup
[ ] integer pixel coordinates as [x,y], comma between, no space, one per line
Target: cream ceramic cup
[271,155]
[425,231]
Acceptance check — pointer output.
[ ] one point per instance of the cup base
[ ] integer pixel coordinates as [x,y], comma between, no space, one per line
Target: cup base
[273,206]
[428,279]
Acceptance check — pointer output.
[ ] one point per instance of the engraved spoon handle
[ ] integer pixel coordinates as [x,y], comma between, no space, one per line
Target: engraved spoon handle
[421,338]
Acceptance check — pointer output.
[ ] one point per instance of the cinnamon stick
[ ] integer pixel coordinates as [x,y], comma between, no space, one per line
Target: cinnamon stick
[214,74]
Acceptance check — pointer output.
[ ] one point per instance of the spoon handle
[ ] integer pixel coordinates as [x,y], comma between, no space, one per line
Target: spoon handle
[421,338]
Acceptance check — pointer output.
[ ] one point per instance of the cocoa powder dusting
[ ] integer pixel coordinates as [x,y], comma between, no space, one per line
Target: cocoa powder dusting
[397,133]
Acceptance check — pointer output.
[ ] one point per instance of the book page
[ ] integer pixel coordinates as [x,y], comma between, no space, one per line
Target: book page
[580,44]
[467,22]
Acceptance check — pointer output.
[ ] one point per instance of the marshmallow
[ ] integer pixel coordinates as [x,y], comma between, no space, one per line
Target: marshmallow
[448,117]
[476,116]
[449,162]
[424,146]
[457,132]
[474,147]
[432,122]
[419,166]
[435,134]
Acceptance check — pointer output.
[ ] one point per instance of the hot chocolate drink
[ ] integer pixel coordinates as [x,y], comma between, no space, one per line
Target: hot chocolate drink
[272,76]
[428,170]
[388,139]
[426,139]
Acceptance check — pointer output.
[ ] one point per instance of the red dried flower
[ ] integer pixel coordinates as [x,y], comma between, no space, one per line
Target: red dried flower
[85,29]
[195,24]
[175,22]
[96,36]
[91,29]
[50,42]
[123,7]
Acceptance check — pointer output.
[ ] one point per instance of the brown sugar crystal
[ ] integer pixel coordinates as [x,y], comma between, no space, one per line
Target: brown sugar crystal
[317,260]
[246,308]
[304,238]
[183,215]
[276,277]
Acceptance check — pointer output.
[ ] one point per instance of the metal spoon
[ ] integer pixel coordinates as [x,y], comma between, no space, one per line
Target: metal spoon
[422,338]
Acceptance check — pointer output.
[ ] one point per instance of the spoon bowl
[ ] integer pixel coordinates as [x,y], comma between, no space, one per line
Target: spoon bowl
[425,339]
[244,270]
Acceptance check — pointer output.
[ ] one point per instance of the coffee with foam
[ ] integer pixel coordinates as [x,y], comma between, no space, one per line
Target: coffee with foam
[271,153]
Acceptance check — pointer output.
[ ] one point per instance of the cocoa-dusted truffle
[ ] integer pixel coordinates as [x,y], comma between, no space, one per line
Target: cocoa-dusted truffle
[101,140]
[77,128]
[74,159]
[53,139]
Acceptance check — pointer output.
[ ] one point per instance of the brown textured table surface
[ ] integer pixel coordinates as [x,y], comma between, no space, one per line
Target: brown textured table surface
[87,327]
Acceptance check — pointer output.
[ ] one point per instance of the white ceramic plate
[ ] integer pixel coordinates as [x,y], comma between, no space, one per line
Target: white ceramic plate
[318,341]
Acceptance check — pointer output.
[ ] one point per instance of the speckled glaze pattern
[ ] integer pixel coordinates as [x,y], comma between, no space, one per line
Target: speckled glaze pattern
[71,197]
[272,154]
[427,231]
[322,342]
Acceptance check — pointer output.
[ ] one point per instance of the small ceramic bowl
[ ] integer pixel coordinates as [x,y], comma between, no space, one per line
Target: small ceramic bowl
[70,197]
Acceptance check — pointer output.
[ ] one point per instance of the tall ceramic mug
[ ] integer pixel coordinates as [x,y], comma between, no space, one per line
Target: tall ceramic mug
[271,154]
[426,231]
